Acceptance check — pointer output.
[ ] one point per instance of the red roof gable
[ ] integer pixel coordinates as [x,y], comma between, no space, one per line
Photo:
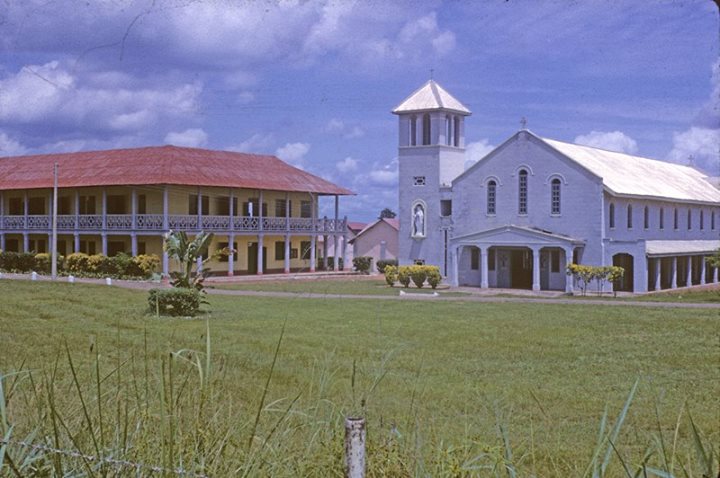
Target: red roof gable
[161,165]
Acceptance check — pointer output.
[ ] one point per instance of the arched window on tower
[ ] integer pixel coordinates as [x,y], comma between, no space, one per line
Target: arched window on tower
[522,192]
[413,130]
[456,131]
[675,219]
[426,129]
[491,197]
[646,218]
[448,130]
[661,218]
[629,217]
[555,196]
[611,214]
[689,221]
[702,219]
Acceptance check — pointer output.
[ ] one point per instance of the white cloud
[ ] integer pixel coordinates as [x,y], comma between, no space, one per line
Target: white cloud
[257,143]
[354,132]
[348,132]
[476,150]
[703,144]
[610,140]
[335,125]
[347,165]
[423,29]
[10,147]
[293,153]
[192,137]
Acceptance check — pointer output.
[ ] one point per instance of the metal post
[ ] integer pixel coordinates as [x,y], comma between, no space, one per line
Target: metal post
[336,259]
[355,447]
[53,247]
[313,236]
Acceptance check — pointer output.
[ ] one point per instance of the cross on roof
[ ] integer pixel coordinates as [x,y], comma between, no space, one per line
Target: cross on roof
[523,123]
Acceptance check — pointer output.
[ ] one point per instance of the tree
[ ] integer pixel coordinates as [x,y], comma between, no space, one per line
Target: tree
[187,252]
[714,260]
[387,213]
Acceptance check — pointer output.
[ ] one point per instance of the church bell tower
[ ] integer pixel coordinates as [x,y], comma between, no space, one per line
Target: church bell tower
[431,154]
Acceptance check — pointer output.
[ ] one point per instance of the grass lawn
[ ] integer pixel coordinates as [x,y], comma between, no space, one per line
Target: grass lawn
[361,285]
[448,389]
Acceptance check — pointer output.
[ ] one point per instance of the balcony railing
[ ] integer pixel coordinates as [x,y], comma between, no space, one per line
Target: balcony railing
[154,222]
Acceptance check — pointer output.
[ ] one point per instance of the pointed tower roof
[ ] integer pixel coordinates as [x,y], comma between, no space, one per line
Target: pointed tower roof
[431,96]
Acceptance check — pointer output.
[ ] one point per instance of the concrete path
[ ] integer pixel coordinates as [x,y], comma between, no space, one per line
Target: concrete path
[472,295]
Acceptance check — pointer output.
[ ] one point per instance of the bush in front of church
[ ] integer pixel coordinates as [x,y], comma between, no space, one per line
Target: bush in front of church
[362,264]
[403,276]
[391,275]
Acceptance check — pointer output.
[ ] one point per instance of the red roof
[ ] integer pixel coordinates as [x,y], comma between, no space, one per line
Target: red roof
[161,165]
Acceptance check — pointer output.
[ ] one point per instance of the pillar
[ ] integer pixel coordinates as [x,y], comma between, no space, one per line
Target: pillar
[658,273]
[260,250]
[199,212]
[133,244]
[286,266]
[536,269]
[231,244]
[26,211]
[76,242]
[231,211]
[715,275]
[344,252]
[165,261]
[77,213]
[26,242]
[325,248]
[103,238]
[569,286]
[673,273]
[261,226]
[133,209]
[2,213]
[455,253]
[688,281]
[703,268]
[166,218]
[484,271]
[336,261]
[2,241]
[313,246]
[104,210]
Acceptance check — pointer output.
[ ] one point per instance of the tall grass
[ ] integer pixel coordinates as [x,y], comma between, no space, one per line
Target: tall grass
[168,413]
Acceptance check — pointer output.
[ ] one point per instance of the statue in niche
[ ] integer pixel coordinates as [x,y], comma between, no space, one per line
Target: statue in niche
[418,221]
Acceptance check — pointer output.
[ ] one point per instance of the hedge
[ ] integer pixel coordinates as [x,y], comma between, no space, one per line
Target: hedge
[80,264]
[383,263]
[418,275]
[177,301]
[362,264]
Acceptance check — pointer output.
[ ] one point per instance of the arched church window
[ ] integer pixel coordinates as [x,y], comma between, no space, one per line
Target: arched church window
[491,196]
[555,196]
[661,218]
[413,130]
[646,218]
[448,130]
[689,219]
[611,215]
[629,217]
[702,219]
[456,131]
[522,191]
[712,220]
[675,219]
[426,129]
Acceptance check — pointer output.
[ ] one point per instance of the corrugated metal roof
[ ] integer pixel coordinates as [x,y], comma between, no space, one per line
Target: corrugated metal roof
[624,174]
[431,96]
[161,165]
[392,222]
[680,247]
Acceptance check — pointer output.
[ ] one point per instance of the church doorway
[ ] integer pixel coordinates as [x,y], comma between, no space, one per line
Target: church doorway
[521,262]
[625,283]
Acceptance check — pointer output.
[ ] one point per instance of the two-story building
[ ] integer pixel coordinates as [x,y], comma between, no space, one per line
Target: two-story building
[520,215]
[126,200]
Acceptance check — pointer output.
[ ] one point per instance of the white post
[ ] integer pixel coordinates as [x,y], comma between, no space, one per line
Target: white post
[455,257]
[688,281]
[569,288]
[703,268]
[26,210]
[26,242]
[658,273]
[166,201]
[231,257]
[286,265]
[2,213]
[53,247]
[355,447]
[133,244]
[76,242]
[104,245]
[715,275]
[199,209]
[536,268]
[673,274]
[313,236]
[484,268]
[260,252]
[104,210]
[336,259]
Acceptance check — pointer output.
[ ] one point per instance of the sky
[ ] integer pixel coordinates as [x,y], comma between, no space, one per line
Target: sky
[314,82]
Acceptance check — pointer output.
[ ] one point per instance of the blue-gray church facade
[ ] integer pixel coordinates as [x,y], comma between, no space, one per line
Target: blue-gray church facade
[532,206]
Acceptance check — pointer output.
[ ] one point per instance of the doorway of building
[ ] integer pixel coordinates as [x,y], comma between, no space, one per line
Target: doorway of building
[625,283]
[253,258]
[521,262]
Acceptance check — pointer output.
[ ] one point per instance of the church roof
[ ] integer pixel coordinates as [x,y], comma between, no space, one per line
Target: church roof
[659,248]
[431,96]
[624,174]
[161,165]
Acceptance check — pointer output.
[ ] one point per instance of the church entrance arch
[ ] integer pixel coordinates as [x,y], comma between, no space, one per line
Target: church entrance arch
[625,283]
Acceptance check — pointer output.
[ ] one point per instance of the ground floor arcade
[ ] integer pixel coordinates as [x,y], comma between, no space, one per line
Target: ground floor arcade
[252,253]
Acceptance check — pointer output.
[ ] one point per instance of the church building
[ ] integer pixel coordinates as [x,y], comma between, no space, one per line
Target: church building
[533,205]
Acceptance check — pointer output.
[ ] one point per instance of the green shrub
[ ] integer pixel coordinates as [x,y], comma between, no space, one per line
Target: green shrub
[362,264]
[42,262]
[24,262]
[418,274]
[121,265]
[8,261]
[177,301]
[77,263]
[403,275]
[146,264]
[383,263]
[433,276]
[391,274]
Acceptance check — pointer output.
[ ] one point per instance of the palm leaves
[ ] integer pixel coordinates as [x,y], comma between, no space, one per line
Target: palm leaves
[188,253]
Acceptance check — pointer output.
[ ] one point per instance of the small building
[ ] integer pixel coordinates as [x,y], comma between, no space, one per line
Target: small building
[378,240]
[533,205]
[126,200]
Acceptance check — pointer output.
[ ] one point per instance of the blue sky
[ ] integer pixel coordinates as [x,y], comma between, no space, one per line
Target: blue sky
[314,82]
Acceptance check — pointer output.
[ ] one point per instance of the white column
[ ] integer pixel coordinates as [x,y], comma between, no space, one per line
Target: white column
[77,212]
[286,266]
[2,212]
[2,241]
[703,268]
[536,268]
[103,243]
[484,271]
[673,273]
[260,251]
[26,210]
[336,260]
[688,282]
[26,242]
[166,218]
[569,287]
[344,252]
[165,262]
[104,210]
[658,273]
[231,211]
[260,212]
[454,255]
[231,241]
[313,236]
[715,275]
[133,208]
[76,242]
[199,211]
[133,244]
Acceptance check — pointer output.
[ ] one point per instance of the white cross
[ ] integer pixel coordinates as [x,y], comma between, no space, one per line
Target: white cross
[523,123]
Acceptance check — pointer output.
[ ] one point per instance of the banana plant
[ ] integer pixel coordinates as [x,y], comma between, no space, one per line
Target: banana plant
[189,253]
